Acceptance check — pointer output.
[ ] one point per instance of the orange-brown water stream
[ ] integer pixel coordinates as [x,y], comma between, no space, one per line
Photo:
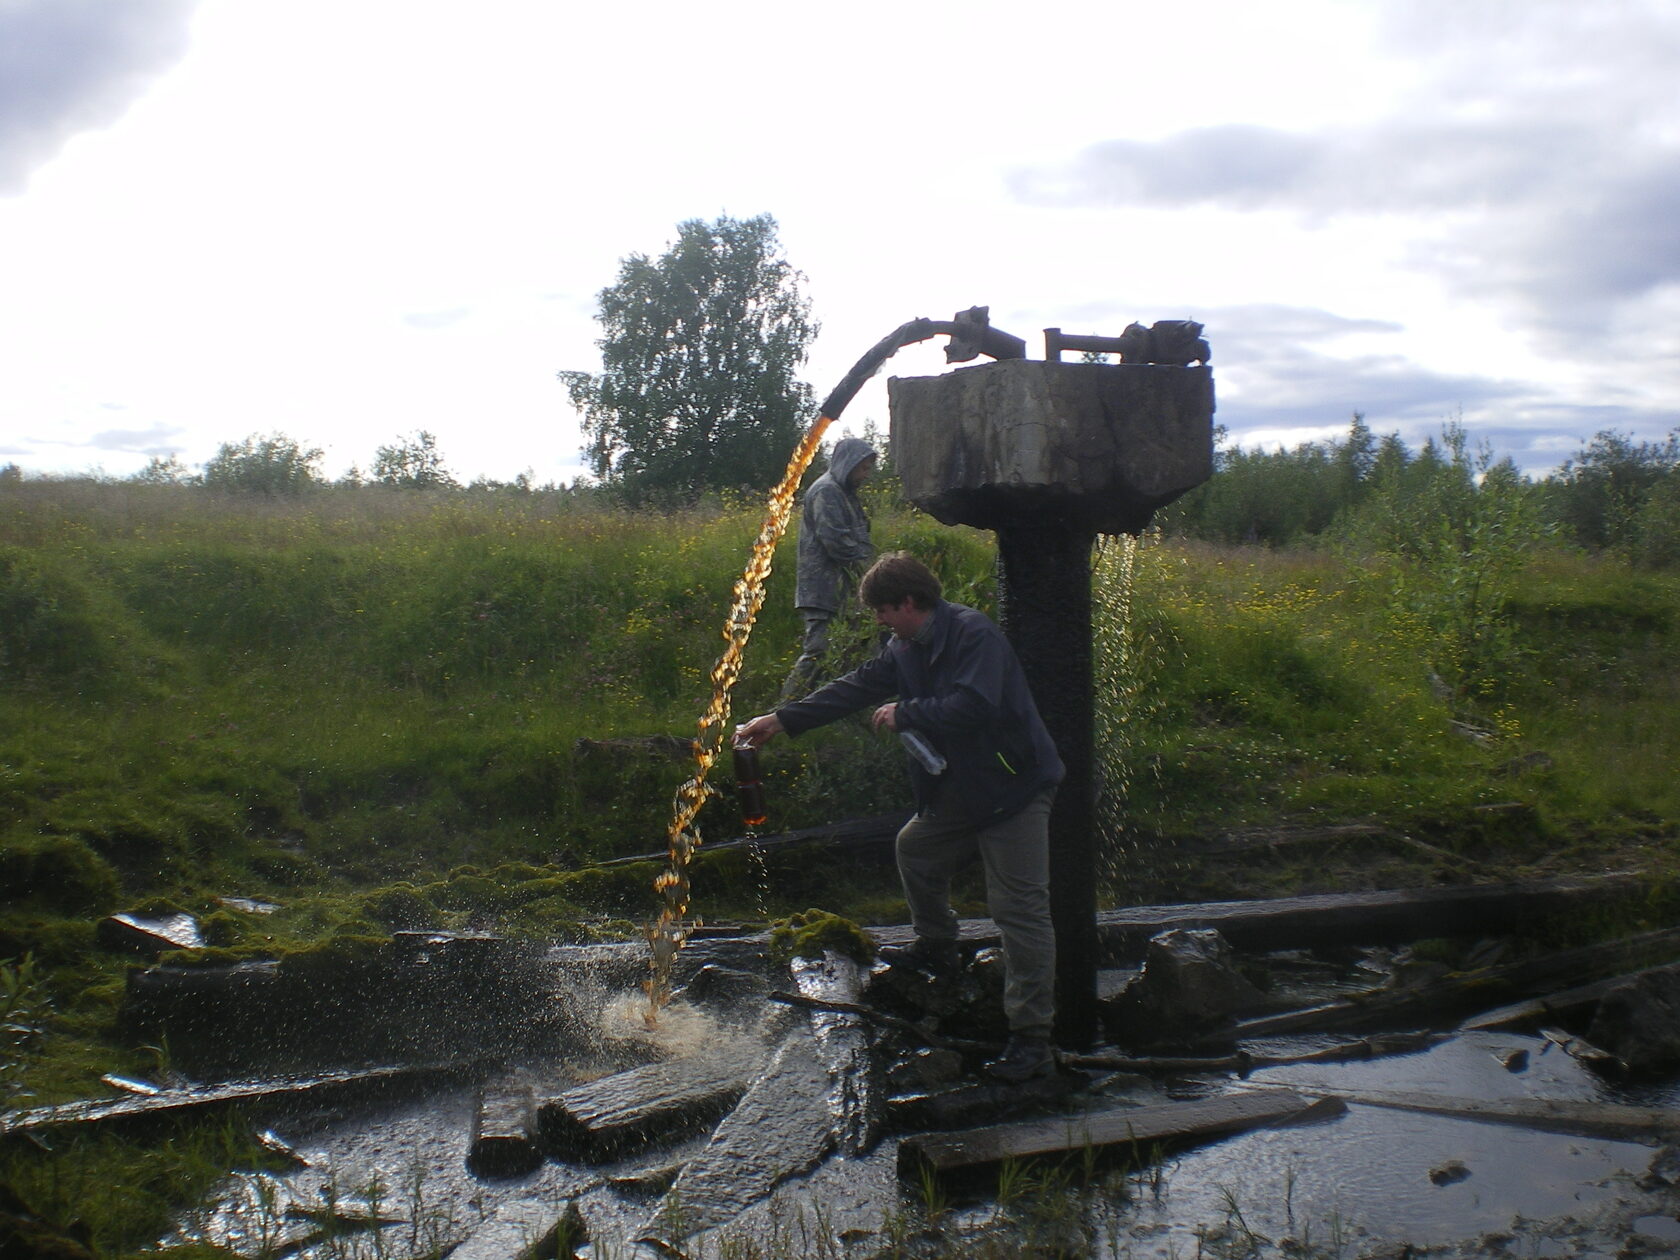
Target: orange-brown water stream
[670,931]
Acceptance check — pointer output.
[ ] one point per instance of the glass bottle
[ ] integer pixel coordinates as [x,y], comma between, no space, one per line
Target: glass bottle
[749,783]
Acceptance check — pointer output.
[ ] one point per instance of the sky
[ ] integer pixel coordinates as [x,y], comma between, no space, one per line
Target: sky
[348,221]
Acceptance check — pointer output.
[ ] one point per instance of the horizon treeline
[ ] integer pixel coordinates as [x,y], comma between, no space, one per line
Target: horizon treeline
[1615,495]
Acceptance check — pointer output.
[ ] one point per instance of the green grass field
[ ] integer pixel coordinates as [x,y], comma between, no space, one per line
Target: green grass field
[380,708]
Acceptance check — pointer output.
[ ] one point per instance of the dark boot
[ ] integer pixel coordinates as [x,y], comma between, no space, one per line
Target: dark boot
[938,958]
[1025,1059]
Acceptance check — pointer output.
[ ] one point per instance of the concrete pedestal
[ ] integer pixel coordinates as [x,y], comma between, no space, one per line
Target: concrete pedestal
[1049,455]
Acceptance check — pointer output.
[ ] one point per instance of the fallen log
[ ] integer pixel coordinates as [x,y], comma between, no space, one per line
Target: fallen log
[1562,1005]
[1578,1119]
[851,834]
[1164,1123]
[1372,918]
[1241,1062]
[609,1117]
[525,1228]
[504,1132]
[261,1096]
[855,1101]
[1429,1005]
[781,1128]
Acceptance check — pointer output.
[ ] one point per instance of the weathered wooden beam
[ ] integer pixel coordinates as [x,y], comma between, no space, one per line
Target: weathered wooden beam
[1431,1004]
[1553,1006]
[851,834]
[259,1096]
[603,1119]
[504,1132]
[1368,918]
[782,1127]
[526,1229]
[981,1102]
[942,1153]
[1373,918]
[1242,1061]
[842,1043]
[1552,1115]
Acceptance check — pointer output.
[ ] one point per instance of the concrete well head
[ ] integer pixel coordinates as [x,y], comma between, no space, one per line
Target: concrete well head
[1096,446]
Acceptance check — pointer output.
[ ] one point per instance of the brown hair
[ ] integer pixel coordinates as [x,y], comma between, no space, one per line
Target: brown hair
[898,576]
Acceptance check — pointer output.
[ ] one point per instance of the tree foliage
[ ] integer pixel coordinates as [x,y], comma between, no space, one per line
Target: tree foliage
[697,389]
[412,463]
[1601,494]
[272,465]
[1615,495]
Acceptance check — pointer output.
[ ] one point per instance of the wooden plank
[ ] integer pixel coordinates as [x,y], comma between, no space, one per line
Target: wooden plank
[1367,918]
[504,1132]
[260,1097]
[1552,1115]
[852,834]
[1388,917]
[608,1117]
[781,1128]
[1163,1122]
[1431,1004]
[1553,1006]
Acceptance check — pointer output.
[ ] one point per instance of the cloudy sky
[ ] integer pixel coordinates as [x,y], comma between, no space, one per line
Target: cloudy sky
[350,220]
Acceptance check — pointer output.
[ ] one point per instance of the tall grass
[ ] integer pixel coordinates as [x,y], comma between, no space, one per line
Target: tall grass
[385,684]
[379,707]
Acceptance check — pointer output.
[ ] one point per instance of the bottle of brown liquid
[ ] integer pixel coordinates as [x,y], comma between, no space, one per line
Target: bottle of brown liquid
[749,783]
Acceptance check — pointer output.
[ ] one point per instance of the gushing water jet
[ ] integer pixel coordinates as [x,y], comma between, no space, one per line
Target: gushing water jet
[971,335]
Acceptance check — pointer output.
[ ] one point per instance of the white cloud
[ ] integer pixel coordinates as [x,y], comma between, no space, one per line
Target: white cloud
[350,222]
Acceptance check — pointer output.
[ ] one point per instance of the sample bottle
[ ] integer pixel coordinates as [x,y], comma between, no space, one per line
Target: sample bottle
[915,743]
[749,783]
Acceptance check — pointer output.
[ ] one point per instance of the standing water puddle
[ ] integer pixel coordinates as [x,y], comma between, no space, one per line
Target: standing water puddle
[1379,1174]
[1348,1186]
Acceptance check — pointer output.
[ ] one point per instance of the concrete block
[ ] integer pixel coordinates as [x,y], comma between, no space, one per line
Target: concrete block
[1097,446]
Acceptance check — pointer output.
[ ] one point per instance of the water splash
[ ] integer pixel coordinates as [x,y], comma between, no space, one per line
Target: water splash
[1125,660]
[667,935]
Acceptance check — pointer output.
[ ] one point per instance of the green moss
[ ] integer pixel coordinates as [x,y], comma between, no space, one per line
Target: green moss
[290,870]
[816,932]
[610,889]
[157,907]
[337,958]
[401,907]
[214,956]
[53,942]
[57,871]
[222,929]
[549,919]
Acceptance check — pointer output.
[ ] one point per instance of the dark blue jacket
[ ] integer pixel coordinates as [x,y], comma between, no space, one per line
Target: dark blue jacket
[964,690]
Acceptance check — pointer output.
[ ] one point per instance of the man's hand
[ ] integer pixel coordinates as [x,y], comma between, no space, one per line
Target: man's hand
[887,716]
[758,731]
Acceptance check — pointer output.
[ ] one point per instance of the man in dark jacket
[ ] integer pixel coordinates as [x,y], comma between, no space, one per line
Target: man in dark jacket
[959,685]
[834,547]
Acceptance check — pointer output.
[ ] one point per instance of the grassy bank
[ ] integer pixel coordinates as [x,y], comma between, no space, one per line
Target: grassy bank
[381,709]
[210,696]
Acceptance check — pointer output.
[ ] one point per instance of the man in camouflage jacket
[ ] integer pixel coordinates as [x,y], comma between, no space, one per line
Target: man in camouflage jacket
[834,548]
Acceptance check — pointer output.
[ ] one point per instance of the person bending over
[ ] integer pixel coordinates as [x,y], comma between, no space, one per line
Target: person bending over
[949,674]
